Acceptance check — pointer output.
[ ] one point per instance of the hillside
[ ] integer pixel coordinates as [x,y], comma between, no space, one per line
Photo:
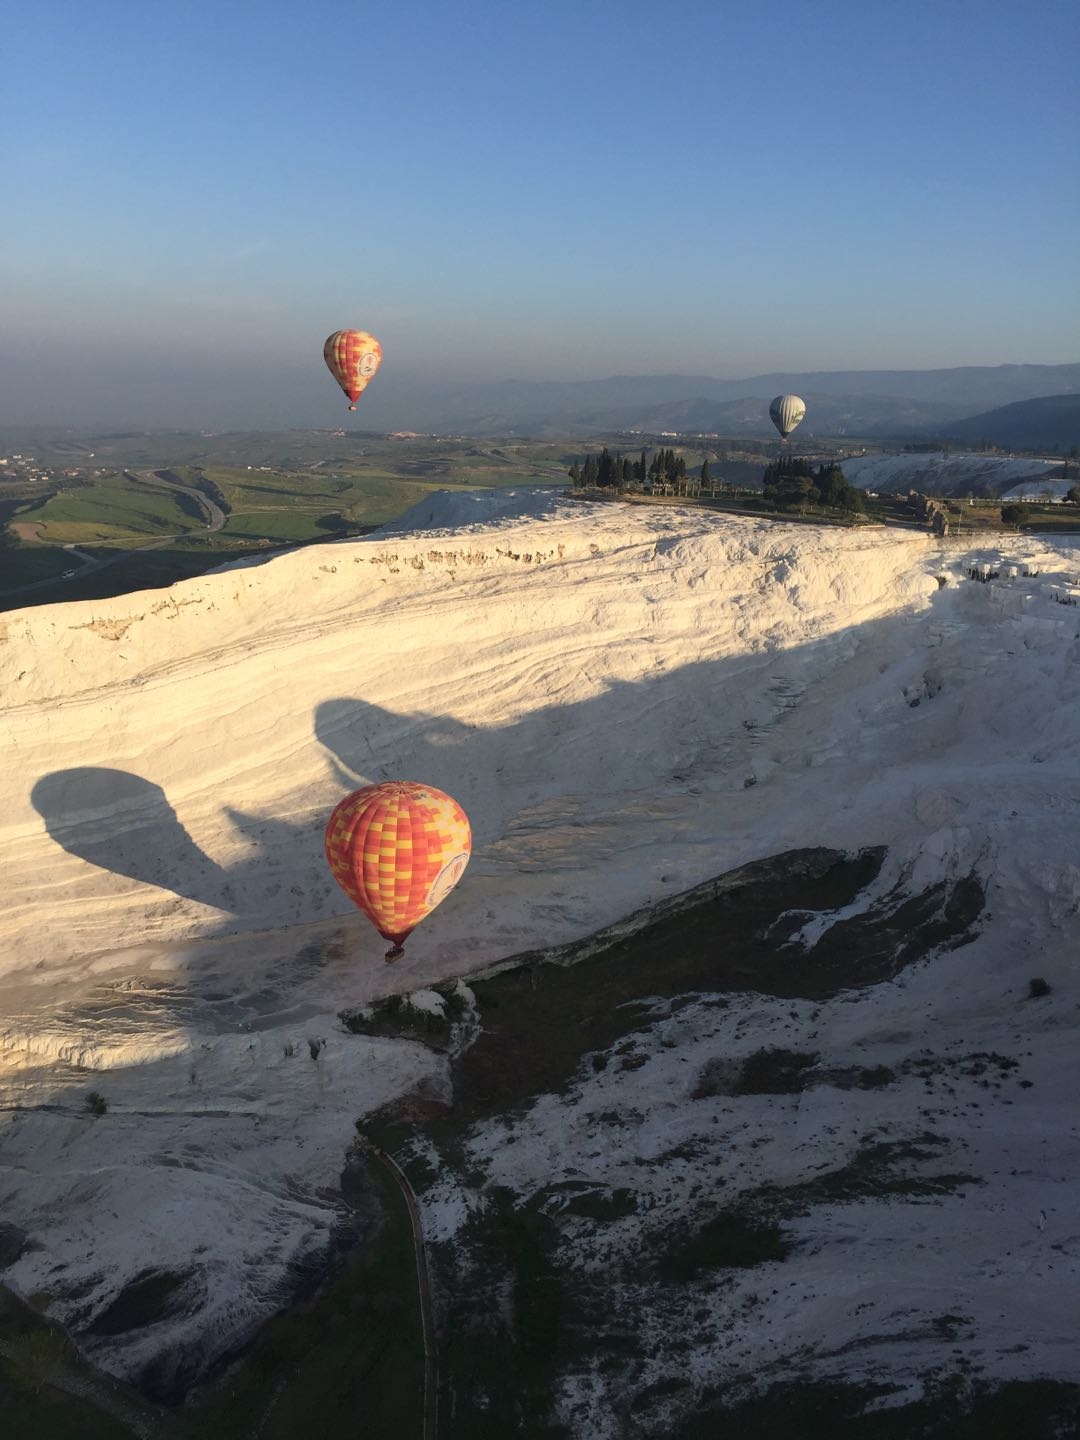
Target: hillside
[1051,422]
[949,473]
[629,702]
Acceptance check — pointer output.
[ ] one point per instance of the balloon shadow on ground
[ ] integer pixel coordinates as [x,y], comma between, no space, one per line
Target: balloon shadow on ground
[120,822]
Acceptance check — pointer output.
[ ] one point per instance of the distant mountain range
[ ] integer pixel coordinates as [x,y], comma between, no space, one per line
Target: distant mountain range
[1052,422]
[872,403]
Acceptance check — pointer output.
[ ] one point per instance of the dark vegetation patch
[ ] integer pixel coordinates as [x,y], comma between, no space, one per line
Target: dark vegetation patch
[508,1327]
[784,1072]
[856,1077]
[901,929]
[540,1017]
[38,1360]
[153,1295]
[659,1390]
[774,1072]
[587,1199]
[715,940]
[750,1232]
[396,1018]
[953,1410]
[986,1067]
[48,1414]
[512,1315]
[347,1359]
[730,1241]
[880,1168]
[13,1243]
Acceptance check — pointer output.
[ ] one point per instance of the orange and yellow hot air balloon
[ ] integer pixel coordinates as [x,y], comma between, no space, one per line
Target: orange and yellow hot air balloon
[353,357]
[397,850]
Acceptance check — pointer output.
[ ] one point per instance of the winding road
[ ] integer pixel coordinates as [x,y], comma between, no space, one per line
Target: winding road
[423,1279]
[88,564]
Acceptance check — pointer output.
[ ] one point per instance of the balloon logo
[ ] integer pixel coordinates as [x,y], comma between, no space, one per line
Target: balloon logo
[785,412]
[397,850]
[352,356]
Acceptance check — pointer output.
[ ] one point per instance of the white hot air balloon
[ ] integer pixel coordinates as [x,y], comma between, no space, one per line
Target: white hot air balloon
[785,412]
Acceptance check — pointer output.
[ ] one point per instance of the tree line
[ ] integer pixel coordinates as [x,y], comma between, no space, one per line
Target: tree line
[791,483]
[788,483]
[617,472]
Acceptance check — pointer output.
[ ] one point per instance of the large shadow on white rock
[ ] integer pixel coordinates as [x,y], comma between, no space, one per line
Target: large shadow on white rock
[123,823]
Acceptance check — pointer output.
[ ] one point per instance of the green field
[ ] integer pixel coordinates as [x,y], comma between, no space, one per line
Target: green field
[113,510]
[297,506]
[277,490]
[30,563]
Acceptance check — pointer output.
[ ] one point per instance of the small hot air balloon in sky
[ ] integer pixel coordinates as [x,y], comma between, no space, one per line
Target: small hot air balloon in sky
[353,357]
[785,412]
[397,850]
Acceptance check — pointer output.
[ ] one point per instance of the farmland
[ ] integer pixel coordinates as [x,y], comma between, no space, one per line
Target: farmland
[91,517]
[109,514]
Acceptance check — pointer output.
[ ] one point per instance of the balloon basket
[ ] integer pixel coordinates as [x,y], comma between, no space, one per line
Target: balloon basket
[394,953]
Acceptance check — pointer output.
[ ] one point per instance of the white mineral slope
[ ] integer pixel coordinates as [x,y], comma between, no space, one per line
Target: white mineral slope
[626,699]
[1041,489]
[940,472]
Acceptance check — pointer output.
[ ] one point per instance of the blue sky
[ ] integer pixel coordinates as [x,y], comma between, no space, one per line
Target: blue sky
[196,194]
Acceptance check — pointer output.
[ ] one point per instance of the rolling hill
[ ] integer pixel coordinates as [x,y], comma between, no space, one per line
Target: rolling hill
[1049,422]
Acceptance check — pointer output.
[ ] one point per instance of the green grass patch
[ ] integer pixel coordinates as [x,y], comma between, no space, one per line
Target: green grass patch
[141,570]
[281,527]
[53,1415]
[27,564]
[113,510]
[1056,519]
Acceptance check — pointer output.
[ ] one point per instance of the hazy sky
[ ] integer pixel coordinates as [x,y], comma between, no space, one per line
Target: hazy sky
[196,194]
